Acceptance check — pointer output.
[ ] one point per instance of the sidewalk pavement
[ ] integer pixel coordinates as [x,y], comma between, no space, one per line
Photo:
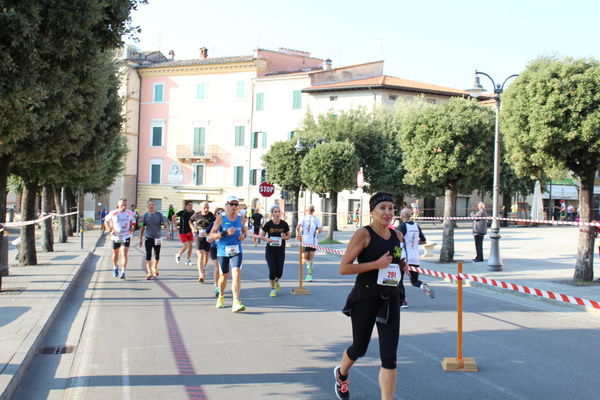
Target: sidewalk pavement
[537,257]
[30,300]
[540,257]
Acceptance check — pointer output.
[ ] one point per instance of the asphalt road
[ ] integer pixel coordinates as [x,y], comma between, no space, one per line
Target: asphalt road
[164,339]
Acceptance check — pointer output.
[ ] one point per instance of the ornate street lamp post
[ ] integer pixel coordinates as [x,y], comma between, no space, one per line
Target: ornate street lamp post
[494,261]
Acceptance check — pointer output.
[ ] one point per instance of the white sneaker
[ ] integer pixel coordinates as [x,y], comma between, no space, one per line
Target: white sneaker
[427,290]
[188,262]
[177,258]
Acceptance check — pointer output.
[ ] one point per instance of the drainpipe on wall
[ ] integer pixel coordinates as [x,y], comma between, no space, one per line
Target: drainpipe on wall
[137,155]
[250,141]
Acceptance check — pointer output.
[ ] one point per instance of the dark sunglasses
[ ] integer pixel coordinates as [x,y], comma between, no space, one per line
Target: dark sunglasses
[234,204]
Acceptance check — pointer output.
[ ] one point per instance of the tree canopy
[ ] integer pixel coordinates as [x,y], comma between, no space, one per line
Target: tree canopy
[551,121]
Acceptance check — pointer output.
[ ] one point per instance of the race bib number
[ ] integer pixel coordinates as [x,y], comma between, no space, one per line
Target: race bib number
[119,238]
[202,232]
[389,276]
[275,241]
[232,250]
[157,242]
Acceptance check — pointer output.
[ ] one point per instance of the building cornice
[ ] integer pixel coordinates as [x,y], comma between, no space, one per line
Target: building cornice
[252,66]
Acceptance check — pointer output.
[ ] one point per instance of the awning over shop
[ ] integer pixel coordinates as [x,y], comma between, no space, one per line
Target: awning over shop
[562,192]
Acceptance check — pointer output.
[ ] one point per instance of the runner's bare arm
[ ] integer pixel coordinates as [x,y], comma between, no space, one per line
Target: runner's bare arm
[359,241]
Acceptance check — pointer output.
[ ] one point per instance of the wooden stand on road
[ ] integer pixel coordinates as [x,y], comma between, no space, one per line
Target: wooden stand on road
[459,363]
[300,290]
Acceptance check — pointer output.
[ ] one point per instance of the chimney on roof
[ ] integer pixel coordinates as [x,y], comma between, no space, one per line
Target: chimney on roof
[203,52]
[327,65]
[171,54]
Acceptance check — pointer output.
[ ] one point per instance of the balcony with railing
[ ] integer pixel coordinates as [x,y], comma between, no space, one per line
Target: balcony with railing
[197,153]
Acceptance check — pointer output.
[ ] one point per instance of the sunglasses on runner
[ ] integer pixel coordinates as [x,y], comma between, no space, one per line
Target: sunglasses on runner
[234,204]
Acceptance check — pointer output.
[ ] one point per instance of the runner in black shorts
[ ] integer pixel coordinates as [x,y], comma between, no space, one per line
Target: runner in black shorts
[213,255]
[375,298]
[256,224]
[278,232]
[199,223]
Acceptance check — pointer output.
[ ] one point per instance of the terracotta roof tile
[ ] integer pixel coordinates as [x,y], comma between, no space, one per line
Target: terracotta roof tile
[200,61]
[387,82]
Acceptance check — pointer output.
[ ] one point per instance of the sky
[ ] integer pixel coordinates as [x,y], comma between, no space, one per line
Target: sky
[433,41]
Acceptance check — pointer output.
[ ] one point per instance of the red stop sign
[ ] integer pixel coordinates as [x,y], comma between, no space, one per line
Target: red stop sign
[266,189]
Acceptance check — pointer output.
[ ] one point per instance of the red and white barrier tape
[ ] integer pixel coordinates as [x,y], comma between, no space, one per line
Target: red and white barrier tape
[35,221]
[487,281]
[531,221]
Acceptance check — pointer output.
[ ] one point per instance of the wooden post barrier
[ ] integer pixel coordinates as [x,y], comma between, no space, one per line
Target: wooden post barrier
[459,363]
[300,289]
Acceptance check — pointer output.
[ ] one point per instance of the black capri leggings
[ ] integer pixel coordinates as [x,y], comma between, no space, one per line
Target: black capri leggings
[275,260]
[363,317]
[149,244]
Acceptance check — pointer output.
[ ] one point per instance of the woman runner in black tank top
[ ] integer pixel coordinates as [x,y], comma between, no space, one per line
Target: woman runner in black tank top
[375,247]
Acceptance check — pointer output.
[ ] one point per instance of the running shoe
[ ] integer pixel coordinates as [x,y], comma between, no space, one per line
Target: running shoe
[277,287]
[341,386]
[238,306]
[308,278]
[404,304]
[188,262]
[177,258]
[427,290]
[220,302]
[148,276]
[116,271]
[273,293]
[122,275]
[155,271]
[201,279]
[216,292]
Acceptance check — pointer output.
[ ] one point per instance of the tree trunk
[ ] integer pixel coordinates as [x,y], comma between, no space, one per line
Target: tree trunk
[68,198]
[584,268]
[398,200]
[27,254]
[4,163]
[333,221]
[296,206]
[60,209]
[47,233]
[447,250]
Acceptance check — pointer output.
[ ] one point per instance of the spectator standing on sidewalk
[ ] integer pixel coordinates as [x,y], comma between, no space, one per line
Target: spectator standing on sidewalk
[103,213]
[120,223]
[375,298]
[150,234]
[185,232]
[479,229]
[413,237]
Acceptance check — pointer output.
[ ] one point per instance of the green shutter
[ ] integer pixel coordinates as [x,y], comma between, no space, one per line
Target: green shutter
[253,140]
[241,90]
[297,100]
[260,101]
[155,173]
[264,140]
[238,176]
[239,135]
[159,92]
[157,136]
[199,135]
[201,91]
[199,175]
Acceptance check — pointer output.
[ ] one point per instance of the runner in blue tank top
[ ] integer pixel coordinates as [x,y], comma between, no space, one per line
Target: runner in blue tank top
[230,231]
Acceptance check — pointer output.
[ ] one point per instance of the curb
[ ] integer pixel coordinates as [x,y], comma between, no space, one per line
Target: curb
[14,371]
